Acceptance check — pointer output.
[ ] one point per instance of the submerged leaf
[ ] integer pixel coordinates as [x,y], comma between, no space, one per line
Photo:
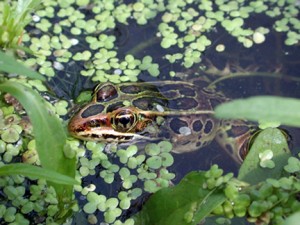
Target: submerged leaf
[262,108]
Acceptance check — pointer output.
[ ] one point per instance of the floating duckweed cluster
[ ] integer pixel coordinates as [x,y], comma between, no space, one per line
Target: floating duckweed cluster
[22,200]
[188,29]
[86,33]
[128,167]
[265,203]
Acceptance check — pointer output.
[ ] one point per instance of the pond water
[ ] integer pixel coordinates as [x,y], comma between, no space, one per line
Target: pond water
[268,68]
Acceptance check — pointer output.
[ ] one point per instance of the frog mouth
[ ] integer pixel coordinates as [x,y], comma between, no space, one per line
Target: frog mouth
[109,136]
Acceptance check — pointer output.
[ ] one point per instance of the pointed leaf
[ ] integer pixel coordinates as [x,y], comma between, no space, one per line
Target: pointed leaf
[262,108]
[9,65]
[49,134]
[36,172]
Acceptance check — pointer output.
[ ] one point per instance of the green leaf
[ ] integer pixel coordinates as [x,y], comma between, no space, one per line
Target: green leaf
[9,65]
[293,219]
[49,134]
[36,172]
[186,203]
[272,139]
[262,108]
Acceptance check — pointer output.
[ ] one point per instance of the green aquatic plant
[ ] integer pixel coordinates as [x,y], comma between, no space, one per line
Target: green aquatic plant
[14,18]
[57,163]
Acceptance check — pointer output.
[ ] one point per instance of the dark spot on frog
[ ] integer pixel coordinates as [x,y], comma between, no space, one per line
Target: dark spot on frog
[183,103]
[197,125]
[95,136]
[130,89]
[149,103]
[138,88]
[208,127]
[106,93]
[176,124]
[92,110]
[187,91]
[236,131]
[170,94]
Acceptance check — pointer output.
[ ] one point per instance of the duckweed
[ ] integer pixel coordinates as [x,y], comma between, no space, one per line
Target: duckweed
[107,176]
[293,165]
[165,146]
[132,163]
[167,159]
[154,162]
[125,203]
[152,149]
[151,186]
[89,208]
[265,159]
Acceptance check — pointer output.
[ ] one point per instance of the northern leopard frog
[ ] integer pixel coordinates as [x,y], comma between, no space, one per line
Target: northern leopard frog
[177,111]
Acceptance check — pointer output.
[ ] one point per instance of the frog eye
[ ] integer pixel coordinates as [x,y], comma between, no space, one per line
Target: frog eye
[105,92]
[124,120]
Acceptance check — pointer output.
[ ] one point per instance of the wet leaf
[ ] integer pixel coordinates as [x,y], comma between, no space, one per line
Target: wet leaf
[177,206]
[270,139]
[9,65]
[293,219]
[36,172]
[263,108]
[49,134]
